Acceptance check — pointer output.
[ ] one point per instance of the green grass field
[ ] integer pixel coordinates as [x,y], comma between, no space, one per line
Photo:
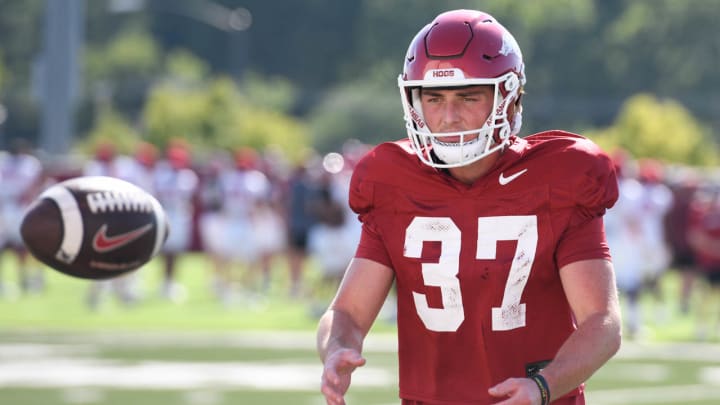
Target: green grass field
[54,350]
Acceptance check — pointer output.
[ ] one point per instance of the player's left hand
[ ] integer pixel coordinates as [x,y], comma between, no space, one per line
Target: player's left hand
[517,391]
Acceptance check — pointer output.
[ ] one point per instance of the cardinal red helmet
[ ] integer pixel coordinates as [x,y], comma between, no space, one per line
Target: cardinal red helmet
[462,48]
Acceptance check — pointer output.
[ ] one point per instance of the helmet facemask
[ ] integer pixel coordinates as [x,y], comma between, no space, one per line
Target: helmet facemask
[492,136]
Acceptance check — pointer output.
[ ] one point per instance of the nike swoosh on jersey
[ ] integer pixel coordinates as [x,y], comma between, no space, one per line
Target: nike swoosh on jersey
[104,243]
[505,180]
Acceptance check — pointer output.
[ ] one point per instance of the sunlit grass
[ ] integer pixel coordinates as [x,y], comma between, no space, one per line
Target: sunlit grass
[204,330]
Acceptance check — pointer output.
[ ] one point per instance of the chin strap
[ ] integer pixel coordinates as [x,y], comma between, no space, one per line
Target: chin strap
[516,123]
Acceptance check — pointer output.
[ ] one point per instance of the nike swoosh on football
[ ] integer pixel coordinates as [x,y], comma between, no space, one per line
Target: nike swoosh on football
[103,243]
[505,180]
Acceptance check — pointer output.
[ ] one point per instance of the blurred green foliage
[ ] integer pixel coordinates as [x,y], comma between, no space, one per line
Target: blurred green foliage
[133,53]
[217,114]
[110,128]
[315,73]
[2,72]
[648,127]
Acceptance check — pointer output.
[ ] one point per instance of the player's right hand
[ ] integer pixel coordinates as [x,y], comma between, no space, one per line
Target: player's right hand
[336,374]
[516,391]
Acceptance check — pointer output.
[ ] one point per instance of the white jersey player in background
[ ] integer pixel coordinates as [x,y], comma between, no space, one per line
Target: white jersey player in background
[175,184]
[107,162]
[244,230]
[21,176]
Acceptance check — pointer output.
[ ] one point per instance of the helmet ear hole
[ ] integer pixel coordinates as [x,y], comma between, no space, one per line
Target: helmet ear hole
[504,131]
[512,83]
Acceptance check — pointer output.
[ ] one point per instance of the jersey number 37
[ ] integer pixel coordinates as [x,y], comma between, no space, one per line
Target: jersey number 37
[444,273]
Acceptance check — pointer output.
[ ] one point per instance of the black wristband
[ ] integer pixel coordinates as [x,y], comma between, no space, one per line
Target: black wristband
[543,387]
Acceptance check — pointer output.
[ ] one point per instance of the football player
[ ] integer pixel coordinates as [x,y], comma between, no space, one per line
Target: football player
[175,183]
[107,161]
[232,233]
[684,182]
[704,239]
[505,289]
[22,178]
[625,236]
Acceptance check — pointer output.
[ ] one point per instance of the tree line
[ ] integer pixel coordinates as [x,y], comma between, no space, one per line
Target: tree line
[314,73]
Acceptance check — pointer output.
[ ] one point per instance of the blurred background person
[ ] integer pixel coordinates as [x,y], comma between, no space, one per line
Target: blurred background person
[139,170]
[656,201]
[21,178]
[271,239]
[210,222]
[623,228]
[300,192]
[704,239]
[175,184]
[332,240]
[106,161]
[683,182]
[235,233]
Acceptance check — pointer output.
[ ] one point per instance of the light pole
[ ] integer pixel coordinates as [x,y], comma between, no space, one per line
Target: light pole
[59,61]
[58,68]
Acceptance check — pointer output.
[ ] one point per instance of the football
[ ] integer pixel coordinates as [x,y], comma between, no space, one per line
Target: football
[94,227]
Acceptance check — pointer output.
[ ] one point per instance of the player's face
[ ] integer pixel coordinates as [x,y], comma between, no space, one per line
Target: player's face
[456,109]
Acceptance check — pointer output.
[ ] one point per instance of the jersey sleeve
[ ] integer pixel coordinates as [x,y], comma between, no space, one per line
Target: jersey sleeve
[362,202]
[594,190]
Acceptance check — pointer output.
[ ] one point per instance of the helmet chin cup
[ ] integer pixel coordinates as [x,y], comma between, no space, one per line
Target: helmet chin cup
[459,153]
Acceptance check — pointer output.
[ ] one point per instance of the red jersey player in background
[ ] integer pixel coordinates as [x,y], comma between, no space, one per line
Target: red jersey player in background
[703,236]
[505,289]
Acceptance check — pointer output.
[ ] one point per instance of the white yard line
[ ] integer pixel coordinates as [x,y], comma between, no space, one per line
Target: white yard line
[59,372]
[381,342]
[305,340]
[655,395]
[70,363]
[77,374]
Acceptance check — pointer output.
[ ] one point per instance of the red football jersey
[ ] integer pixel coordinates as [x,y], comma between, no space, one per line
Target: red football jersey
[704,229]
[478,287]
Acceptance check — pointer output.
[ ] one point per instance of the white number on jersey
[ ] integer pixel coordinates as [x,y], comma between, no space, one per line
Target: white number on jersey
[443,274]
